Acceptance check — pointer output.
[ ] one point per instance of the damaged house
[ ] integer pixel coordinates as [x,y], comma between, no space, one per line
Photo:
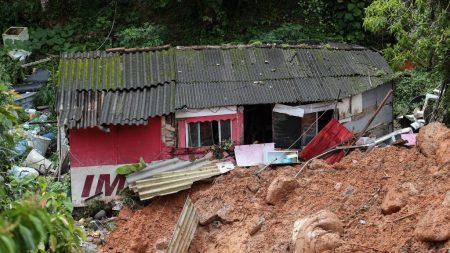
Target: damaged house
[123,104]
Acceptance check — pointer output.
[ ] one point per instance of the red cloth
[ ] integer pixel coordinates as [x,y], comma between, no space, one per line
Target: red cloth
[331,135]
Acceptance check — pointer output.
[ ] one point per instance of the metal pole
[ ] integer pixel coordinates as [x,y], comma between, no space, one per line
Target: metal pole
[383,102]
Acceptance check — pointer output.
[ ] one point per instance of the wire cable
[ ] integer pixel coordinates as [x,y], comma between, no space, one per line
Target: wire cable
[112,27]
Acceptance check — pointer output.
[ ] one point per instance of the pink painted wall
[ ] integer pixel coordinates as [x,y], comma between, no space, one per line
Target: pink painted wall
[237,127]
[123,144]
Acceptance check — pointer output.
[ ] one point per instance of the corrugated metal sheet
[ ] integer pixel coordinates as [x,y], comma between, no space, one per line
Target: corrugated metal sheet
[82,109]
[331,135]
[115,71]
[180,177]
[165,166]
[173,181]
[252,64]
[184,229]
[206,94]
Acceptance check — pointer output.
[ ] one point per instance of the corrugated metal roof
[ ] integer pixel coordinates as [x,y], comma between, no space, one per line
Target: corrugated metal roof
[256,64]
[83,109]
[208,94]
[112,87]
[115,71]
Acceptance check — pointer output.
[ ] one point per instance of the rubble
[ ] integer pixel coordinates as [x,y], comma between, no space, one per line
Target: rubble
[245,222]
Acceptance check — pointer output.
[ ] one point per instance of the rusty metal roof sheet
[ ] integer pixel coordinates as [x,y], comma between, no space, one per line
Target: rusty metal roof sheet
[83,109]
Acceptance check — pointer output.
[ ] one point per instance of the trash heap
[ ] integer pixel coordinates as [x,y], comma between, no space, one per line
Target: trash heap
[385,199]
[35,143]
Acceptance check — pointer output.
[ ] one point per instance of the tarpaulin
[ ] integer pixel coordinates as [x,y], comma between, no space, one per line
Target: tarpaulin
[331,135]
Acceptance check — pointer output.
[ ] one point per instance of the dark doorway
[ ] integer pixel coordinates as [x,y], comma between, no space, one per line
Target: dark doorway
[286,129]
[257,124]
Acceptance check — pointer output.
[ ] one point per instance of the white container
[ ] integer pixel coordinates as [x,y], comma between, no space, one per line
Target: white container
[14,34]
[39,143]
[38,162]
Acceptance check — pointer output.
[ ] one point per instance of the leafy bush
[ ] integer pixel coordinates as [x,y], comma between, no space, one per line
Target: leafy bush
[39,222]
[408,85]
[53,40]
[147,35]
[10,70]
[8,118]
[46,96]
[285,33]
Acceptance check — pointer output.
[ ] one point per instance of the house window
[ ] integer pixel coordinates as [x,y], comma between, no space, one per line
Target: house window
[208,133]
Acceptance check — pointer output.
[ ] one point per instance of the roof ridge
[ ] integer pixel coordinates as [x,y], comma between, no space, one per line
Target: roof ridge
[124,50]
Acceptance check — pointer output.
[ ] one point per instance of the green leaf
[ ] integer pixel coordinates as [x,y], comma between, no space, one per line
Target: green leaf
[357,12]
[27,237]
[7,244]
[38,227]
[350,6]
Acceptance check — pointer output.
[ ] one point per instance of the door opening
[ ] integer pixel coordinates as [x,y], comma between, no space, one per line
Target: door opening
[257,124]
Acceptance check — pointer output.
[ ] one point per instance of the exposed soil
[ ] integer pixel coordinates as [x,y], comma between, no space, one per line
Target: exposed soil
[237,217]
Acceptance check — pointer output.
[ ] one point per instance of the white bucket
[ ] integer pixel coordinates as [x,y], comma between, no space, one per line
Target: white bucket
[37,161]
[39,143]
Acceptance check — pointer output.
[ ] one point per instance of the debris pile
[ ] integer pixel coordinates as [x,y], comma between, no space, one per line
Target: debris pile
[387,199]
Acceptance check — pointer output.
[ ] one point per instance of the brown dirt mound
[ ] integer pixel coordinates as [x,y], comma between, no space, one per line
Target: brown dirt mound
[354,193]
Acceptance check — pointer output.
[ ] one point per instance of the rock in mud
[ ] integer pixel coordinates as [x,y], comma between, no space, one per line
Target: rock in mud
[100,215]
[443,152]
[318,232]
[318,164]
[162,244]
[256,226]
[411,188]
[215,209]
[394,200]
[434,226]
[280,188]
[431,136]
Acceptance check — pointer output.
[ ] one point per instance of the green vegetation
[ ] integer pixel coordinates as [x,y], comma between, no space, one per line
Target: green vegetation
[84,25]
[421,34]
[131,168]
[8,118]
[410,84]
[35,215]
[10,70]
[38,221]
[146,36]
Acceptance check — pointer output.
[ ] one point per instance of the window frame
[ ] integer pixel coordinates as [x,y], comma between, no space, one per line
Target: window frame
[219,126]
